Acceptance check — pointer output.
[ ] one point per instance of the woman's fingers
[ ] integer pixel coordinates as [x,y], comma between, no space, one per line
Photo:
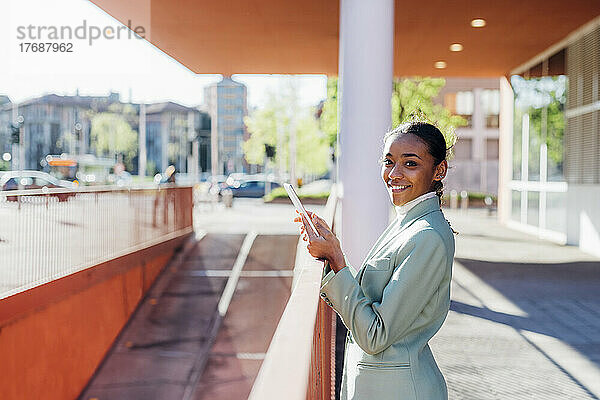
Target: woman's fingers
[309,232]
[303,231]
[321,226]
[314,217]
[320,220]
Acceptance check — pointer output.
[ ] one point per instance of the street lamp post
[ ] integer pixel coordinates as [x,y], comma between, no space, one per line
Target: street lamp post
[78,138]
[20,121]
[17,143]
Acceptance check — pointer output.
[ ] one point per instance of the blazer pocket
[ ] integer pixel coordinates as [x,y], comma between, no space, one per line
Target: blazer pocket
[378,264]
[382,366]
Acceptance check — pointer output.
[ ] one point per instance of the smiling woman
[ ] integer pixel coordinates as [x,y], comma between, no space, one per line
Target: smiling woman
[400,296]
[414,162]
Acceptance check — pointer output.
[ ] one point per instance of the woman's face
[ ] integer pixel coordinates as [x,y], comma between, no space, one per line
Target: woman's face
[408,169]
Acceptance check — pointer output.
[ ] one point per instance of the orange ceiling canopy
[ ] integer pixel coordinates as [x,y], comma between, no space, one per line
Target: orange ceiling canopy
[301,37]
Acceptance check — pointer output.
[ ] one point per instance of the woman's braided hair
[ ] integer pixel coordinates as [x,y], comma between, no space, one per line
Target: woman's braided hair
[433,138]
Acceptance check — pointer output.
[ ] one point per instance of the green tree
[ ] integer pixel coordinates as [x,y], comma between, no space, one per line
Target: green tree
[4,165]
[281,113]
[329,115]
[412,98]
[312,146]
[111,135]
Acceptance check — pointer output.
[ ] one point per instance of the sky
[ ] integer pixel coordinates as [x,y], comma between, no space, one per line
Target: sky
[128,65]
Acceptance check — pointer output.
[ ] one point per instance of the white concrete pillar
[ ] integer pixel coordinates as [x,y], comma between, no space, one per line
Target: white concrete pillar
[365,72]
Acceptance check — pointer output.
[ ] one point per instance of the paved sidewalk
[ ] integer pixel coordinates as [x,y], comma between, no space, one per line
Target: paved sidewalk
[204,329]
[525,316]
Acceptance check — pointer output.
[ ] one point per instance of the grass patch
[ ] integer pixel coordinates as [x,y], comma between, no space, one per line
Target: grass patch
[281,193]
[471,196]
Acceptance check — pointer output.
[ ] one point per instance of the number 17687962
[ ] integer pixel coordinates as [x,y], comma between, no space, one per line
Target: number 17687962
[45,47]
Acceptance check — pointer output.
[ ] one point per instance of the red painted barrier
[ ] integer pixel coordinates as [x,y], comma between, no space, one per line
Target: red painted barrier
[53,336]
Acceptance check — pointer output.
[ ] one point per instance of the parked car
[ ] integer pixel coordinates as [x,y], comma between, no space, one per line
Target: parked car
[251,188]
[33,180]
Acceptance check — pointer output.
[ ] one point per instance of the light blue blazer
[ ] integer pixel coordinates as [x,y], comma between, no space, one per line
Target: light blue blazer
[393,305]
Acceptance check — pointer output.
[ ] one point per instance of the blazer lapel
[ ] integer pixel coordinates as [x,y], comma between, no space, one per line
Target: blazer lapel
[420,210]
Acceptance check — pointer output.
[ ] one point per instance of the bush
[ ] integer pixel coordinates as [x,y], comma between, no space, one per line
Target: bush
[471,195]
[480,196]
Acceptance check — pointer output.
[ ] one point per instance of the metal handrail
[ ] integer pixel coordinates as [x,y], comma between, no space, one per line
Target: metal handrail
[85,189]
[46,236]
[300,360]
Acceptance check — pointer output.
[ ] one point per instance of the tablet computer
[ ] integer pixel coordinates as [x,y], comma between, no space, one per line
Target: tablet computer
[294,197]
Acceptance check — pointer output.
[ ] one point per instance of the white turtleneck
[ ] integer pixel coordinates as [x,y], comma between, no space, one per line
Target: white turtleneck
[402,210]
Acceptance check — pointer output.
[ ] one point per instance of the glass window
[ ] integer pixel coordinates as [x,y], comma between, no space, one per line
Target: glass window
[460,103]
[516,206]
[543,100]
[463,149]
[533,208]
[535,141]
[516,145]
[11,184]
[42,182]
[492,121]
[26,181]
[556,212]
[491,149]
[490,104]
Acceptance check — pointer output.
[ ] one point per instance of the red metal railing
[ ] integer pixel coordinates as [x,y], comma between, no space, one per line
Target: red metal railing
[300,362]
[321,379]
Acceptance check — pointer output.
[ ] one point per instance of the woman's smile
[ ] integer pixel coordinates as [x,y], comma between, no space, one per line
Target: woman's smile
[407,168]
[398,188]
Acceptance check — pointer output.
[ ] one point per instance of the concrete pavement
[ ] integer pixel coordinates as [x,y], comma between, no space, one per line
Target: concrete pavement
[525,316]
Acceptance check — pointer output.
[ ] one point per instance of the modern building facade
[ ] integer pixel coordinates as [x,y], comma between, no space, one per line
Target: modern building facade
[474,167]
[550,168]
[172,132]
[53,124]
[227,106]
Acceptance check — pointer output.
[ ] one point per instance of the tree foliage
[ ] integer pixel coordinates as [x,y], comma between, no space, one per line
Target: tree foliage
[282,114]
[329,114]
[112,135]
[412,98]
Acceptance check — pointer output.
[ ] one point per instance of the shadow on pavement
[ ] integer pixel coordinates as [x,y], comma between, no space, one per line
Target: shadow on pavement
[558,300]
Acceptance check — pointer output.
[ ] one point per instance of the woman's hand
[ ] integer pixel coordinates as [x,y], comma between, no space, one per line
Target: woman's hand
[326,246]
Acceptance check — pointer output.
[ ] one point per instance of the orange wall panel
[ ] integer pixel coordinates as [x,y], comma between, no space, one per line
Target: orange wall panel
[51,352]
